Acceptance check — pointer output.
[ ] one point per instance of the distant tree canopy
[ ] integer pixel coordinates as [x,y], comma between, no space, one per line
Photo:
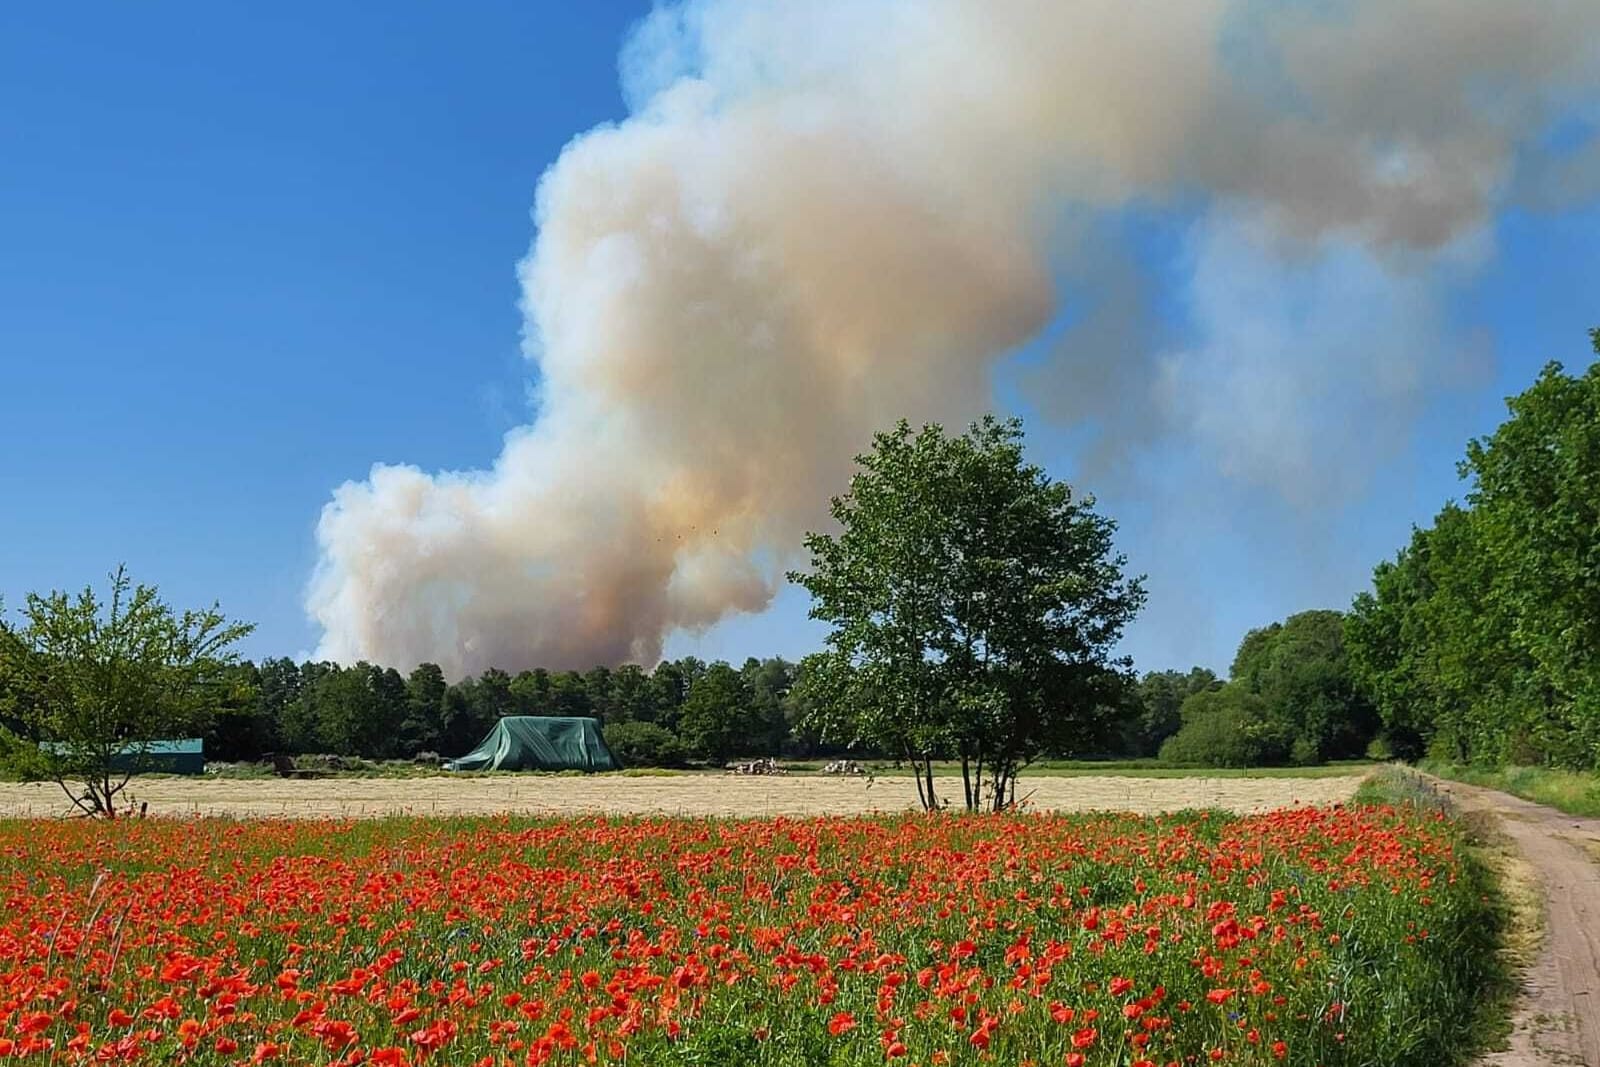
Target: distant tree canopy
[1480,641]
[1153,708]
[1291,697]
[711,712]
[974,603]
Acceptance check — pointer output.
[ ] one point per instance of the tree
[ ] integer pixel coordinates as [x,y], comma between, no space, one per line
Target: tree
[95,683]
[1156,705]
[1228,726]
[597,683]
[1536,504]
[1481,640]
[644,744]
[767,683]
[670,682]
[1300,669]
[422,730]
[633,694]
[353,711]
[974,603]
[569,695]
[716,720]
[242,726]
[530,692]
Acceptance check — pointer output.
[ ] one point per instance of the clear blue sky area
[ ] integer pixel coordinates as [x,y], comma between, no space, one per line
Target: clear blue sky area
[247,250]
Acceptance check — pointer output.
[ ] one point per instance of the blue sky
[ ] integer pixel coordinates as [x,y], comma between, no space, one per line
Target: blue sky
[247,251]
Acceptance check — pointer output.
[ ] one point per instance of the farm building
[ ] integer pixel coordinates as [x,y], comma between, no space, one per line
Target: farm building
[183,756]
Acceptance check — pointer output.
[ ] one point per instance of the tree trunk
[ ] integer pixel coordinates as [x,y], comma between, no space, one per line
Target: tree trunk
[916,775]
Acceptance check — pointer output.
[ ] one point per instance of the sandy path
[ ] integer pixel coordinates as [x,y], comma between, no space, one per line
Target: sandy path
[675,795]
[1557,1018]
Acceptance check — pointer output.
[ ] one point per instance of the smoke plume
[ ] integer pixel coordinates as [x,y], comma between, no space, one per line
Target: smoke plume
[820,217]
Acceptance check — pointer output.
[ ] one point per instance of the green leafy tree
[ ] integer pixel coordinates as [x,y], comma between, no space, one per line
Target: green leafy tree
[461,731]
[644,744]
[1300,668]
[634,696]
[1536,505]
[492,700]
[1228,726]
[298,728]
[96,682]
[1481,640]
[1156,706]
[974,603]
[767,683]
[422,730]
[530,692]
[242,726]
[569,694]
[716,720]
[355,711]
[598,684]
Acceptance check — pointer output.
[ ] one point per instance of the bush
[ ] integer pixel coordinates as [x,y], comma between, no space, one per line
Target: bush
[644,744]
[1380,749]
[1305,752]
[1225,727]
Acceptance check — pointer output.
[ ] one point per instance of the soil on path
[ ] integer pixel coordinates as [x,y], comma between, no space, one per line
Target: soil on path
[1557,1016]
[687,794]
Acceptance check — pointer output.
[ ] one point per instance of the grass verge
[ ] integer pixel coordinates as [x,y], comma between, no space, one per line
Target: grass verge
[1573,792]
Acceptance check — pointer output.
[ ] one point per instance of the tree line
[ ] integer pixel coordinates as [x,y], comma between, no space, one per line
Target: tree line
[682,709]
[1480,641]
[974,605]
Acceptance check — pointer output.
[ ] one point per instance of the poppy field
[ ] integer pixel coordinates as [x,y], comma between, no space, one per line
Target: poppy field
[1342,935]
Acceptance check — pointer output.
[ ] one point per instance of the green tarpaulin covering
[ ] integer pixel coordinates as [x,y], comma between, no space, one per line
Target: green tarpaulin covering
[539,743]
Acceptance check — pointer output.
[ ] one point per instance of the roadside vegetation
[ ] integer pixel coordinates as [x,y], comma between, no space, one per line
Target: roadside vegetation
[1574,792]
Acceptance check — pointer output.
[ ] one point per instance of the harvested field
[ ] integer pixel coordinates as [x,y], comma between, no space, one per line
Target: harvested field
[688,794]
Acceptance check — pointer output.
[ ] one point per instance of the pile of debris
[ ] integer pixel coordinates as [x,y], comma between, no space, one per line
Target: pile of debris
[844,766]
[760,766]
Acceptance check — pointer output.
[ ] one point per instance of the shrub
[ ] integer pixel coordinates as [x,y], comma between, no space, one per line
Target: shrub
[1305,752]
[1225,727]
[644,744]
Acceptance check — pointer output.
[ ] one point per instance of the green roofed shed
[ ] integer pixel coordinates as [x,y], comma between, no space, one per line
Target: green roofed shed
[182,756]
[539,743]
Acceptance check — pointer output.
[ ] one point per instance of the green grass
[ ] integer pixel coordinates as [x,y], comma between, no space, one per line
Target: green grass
[1574,792]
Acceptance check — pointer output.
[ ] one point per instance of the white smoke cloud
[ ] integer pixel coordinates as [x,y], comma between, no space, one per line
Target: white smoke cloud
[821,217]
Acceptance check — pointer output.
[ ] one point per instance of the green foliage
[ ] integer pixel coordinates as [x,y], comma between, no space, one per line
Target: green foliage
[88,682]
[1226,727]
[422,729]
[974,603]
[1155,706]
[1480,642]
[644,744]
[1301,670]
[717,719]
[1574,792]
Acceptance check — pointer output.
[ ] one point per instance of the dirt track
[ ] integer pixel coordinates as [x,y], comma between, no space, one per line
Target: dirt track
[676,795]
[1557,1020]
